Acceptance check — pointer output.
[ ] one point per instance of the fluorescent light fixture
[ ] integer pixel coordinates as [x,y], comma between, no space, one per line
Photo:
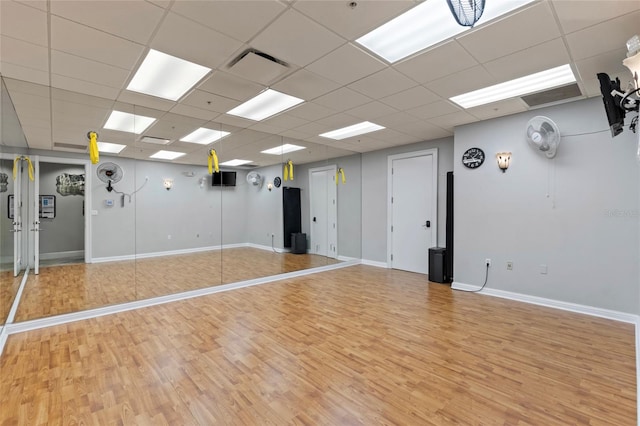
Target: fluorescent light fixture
[166,76]
[283,149]
[265,105]
[355,130]
[154,140]
[204,136]
[110,148]
[233,163]
[167,155]
[125,122]
[554,77]
[424,25]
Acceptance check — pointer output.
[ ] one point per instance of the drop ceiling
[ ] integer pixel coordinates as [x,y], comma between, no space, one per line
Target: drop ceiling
[66,65]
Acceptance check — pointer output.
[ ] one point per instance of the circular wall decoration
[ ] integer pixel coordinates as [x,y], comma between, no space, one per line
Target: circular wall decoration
[277,182]
[473,158]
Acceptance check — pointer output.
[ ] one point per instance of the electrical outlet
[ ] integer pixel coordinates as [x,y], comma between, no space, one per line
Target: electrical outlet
[487,262]
[509,266]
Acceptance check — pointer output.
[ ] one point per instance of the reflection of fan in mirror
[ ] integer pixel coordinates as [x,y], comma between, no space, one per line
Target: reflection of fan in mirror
[543,135]
[255,179]
[109,173]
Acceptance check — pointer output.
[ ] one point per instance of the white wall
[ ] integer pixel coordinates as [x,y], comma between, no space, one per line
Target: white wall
[374,195]
[576,214]
[264,210]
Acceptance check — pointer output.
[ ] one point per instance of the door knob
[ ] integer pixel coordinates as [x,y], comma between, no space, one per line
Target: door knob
[428,224]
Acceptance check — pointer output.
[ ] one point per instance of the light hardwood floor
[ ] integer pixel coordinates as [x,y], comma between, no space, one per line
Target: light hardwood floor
[71,288]
[9,286]
[358,345]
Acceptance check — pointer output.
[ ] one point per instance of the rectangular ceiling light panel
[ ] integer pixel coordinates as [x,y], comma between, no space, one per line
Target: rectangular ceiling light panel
[354,130]
[204,136]
[125,122]
[425,25]
[283,149]
[167,155]
[166,76]
[554,77]
[110,148]
[233,163]
[266,104]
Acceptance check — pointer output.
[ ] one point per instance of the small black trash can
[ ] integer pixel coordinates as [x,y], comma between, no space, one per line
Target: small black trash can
[298,243]
[437,273]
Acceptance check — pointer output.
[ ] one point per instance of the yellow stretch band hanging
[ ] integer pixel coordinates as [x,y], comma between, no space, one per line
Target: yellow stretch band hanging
[213,162]
[288,170]
[340,172]
[15,167]
[94,153]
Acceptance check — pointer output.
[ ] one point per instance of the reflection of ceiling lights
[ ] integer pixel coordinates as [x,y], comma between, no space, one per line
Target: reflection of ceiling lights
[204,136]
[125,122]
[283,149]
[166,76]
[233,163]
[554,77]
[265,105]
[110,148]
[424,25]
[355,130]
[167,155]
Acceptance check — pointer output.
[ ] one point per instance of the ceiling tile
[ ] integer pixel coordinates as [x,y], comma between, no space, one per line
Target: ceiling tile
[383,83]
[145,100]
[310,111]
[346,64]
[24,23]
[498,109]
[392,137]
[449,121]
[133,20]
[342,99]
[372,111]
[438,62]
[209,101]
[305,85]
[38,138]
[425,131]
[578,14]
[230,86]
[285,121]
[591,42]
[194,112]
[87,70]
[338,121]
[232,120]
[67,83]
[183,38]
[26,74]
[350,22]
[434,109]
[80,98]
[396,120]
[609,62]
[297,39]
[410,98]
[238,19]
[462,82]
[27,55]
[81,41]
[173,128]
[533,25]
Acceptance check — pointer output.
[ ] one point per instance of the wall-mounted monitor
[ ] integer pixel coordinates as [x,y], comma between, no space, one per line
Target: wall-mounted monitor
[615,113]
[223,179]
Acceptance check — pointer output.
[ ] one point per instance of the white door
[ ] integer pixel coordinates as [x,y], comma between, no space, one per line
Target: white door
[35,229]
[17,218]
[323,212]
[413,211]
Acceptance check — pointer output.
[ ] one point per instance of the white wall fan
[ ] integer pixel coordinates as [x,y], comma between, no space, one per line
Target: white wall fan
[543,135]
[109,173]
[255,179]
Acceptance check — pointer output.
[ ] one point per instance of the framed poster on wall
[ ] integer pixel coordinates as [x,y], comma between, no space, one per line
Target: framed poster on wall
[47,206]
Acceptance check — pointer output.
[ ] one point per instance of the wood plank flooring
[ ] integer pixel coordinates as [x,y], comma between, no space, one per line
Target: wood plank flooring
[71,288]
[9,286]
[358,345]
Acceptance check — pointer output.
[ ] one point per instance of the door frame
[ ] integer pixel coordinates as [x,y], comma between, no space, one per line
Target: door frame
[332,232]
[87,198]
[434,206]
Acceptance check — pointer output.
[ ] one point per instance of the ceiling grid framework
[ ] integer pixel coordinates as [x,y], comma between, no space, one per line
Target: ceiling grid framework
[67,64]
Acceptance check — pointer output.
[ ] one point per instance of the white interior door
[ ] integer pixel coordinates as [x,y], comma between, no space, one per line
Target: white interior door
[413,211]
[17,218]
[35,229]
[323,212]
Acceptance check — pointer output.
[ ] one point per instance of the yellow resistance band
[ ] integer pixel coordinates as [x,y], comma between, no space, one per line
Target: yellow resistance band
[94,153]
[212,161]
[340,172]
[288,170]
[15,167]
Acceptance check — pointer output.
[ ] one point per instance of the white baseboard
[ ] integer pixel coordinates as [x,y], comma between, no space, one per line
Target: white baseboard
[62,255]
[558,304]
[267,248]
[348,259]
[374,263]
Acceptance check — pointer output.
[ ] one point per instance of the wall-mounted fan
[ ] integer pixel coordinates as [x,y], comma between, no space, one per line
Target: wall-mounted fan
[109,173]
[255,179]
[543,135]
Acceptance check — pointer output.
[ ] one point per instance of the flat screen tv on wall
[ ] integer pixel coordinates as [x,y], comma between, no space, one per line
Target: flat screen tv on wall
[223,179]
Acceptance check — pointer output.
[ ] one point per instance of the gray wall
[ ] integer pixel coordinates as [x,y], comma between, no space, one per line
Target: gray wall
[6,224]
[576,214]
[66,231]
[264,210]
[374,195]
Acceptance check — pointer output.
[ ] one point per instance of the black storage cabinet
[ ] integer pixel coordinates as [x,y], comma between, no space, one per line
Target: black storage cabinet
[298,243]
[437,262]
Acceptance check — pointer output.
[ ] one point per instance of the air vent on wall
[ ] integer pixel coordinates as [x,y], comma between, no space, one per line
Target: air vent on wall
[155,140]
[557,95]
[258,66]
